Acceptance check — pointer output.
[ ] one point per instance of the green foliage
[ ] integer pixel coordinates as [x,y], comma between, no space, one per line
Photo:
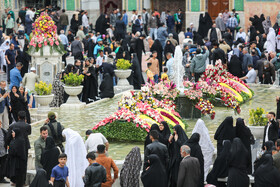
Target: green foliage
[43,88]
[257,117]
[73,79]
[123,131]
[244,96]
[123,64]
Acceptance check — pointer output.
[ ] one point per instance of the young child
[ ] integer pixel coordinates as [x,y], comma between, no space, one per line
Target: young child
[150,75]
[155,66]
[164,75]
[59,175]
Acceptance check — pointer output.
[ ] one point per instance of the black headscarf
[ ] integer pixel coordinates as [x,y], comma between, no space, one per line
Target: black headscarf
[107,87]
[49,157]
[238,155]
[235,66]
[197,38]
[169,48]
[182,137]
[253,33]
[50,144]
[267,175]
[100,25]
[40,179]
[148,140]
[196,152]
[155,175]
[166,132]
[220,167]
[268,145]
[224,132]
[136,78]
[245,135]
[205,23]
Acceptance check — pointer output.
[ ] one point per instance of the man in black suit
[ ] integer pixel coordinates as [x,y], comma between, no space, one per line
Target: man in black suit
[25,130]
[271,129]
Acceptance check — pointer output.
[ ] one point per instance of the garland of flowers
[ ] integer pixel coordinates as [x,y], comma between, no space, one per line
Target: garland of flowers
[44,34]
[206,108]
[123,115]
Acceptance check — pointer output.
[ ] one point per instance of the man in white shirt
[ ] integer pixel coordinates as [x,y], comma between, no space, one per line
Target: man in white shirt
[251,75]
[95,139]
[30,79]
[241,35]
[85,22]
[100,59]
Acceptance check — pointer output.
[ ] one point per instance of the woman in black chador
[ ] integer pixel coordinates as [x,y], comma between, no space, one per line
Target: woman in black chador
[40,179]
[90,88]
[267,175]
[196,152]
[165,132]
[177,139]
[154,175]
[224,132]
[235,66]
[205,23]
[136,78]
[49,158]
[16,165]
[107,86]
[238,164]
[245,135]
[169,48]
[220,167]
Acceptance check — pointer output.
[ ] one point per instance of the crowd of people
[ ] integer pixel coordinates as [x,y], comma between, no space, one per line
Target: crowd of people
[251,56]
[170,159]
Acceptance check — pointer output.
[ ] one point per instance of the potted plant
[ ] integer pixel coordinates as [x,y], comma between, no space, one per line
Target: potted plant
[43,96]
[73,87]
[258,120]
[123,71]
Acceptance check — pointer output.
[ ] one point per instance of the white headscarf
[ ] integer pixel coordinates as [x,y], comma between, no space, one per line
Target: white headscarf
[205,143]
[271,40]
[76,157]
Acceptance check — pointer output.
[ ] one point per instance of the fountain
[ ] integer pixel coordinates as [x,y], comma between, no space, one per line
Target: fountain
[183,104]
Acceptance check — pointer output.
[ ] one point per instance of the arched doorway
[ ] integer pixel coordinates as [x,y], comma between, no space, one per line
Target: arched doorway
[217,6]
[107,6]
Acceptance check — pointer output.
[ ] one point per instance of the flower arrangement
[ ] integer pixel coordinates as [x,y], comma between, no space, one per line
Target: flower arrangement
[206,108]
[44,34]
[42,88]
[257,117]
[165,90]
[73,79]
[123,64]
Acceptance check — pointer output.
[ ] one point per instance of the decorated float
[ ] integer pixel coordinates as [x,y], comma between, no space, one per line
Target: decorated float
[155,103]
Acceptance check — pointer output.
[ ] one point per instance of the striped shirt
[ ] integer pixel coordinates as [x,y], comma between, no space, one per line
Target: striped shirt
[232,22]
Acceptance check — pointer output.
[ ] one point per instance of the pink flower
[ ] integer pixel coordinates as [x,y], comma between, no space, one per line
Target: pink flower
[39,45]
[57,43]
[45,43]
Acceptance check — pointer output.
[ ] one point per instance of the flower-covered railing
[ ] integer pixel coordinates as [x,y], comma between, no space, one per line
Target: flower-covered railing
[217,85]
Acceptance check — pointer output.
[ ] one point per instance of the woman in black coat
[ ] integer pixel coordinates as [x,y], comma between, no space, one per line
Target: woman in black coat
[224,132]
[176,140]
[148,140]
[107,87]
[267,175]
[220,167]
[74,23]
[205,23]
[196,152]
[247,138]
[136,78]
[18,103]
[235,66]
[169,48]
[165,132]
[40,179]
[49,158]
[238,164]
[90,89]
[154,175]
[17,158]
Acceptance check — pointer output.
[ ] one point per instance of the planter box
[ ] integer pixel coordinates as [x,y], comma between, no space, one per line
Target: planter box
[257,131]
[43,101]
[186,108]
[73,101]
